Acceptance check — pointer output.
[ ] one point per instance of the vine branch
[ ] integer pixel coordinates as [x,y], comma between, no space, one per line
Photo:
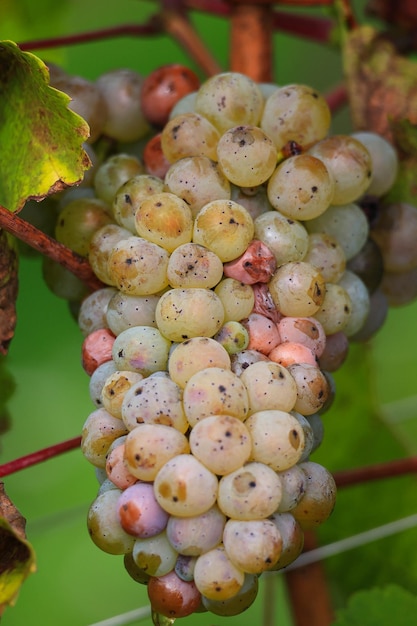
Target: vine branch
[39,456]
[49,247]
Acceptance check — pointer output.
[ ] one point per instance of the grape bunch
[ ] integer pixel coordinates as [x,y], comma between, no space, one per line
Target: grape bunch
[234,278]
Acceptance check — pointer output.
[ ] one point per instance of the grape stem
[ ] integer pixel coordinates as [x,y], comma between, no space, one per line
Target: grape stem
[337,98]
[379,471]
[49,247]
[39,456]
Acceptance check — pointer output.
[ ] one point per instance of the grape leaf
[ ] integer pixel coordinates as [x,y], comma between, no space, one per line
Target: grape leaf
[17,558]
[379,607]
[41,137]
[8,289]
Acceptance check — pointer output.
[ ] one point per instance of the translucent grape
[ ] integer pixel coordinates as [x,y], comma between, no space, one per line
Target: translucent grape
[129,196]
[215,576]
[184,105]
[297,289]
[197,180]
[92,313]
[346,223]
[251,492]
[138,267]
[195,535]
[113,172]
[286,238]
[193,355]
[292,537]
[293,482]
[139,513]
[384,162]
[104,526]
[237,299]
[214,391]
[246,155]
[121,89]
[184,313]
[327,255]
[164,219]
[229,99]
[255,204]
[149,446]
[239,603]
[141,349]
[336,309]
[221,442]
[269,386]
[224,227]
[277,438]
[154,555]
[124,311]
[349,163]
[187,135]
[312,388]
[192,265]
[154,400]
[319,498]
[301,187]
[253,546]
[360,302]
[78,221]
[98,379]
[295,113]
[184,487]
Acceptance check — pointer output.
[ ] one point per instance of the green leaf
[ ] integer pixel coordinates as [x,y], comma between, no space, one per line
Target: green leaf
[41,137]
[17,558]
[379,607]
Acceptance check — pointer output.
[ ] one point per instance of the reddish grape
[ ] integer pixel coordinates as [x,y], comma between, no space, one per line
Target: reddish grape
[154,159]
[173,597]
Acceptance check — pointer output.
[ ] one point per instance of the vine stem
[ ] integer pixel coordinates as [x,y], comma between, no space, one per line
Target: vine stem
[49,247]
[379,471]
[337,98]
[39,456]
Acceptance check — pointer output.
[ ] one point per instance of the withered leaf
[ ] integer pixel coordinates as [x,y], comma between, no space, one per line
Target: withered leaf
[8,289]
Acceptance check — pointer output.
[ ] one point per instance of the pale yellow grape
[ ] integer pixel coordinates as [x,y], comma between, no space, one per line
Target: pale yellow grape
[348,224]
[296,113]
[193,265]
[104,526]
[184,313]
[113,172]
[384,162]
[221,442]
[195,535]
[115,389]
[78,221]
[335,310]
[141,349]
[251,492]
[240,602]
[312,388]
[286,238]
[319,499]
[184,105]
[238,299]
[224,227]
[92,311]
[215,576]
[192,355]
[253,546]
[189,134]
[197,180]
[309,435]
[360,302]
[301,187]
[130,195]
[164,219]
[269,386]
[185,487]
[149,446]
[101,246]
[154,400]
[138,267]
[348,162]
[293,482]
[124,311]
[98,380]
[327,255]
[277,438]
[229,99]
[99,431]
[297,289]
[246,155]
[154,555]
[214,391]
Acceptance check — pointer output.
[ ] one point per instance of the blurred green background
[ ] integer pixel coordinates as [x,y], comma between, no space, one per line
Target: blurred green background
[374,417]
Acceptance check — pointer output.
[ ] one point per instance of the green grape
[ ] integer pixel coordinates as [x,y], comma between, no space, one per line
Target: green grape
[286,238]
[154,555]
[79,220]
[129,196]
[233,336]
[327,255]
[301,187]
[229,99]
[295,113]
[360,302]
[224,227]
[197,180]
[246,155]
[116,170]
[336,309]
[385,162]
[104,526]
[238,299]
